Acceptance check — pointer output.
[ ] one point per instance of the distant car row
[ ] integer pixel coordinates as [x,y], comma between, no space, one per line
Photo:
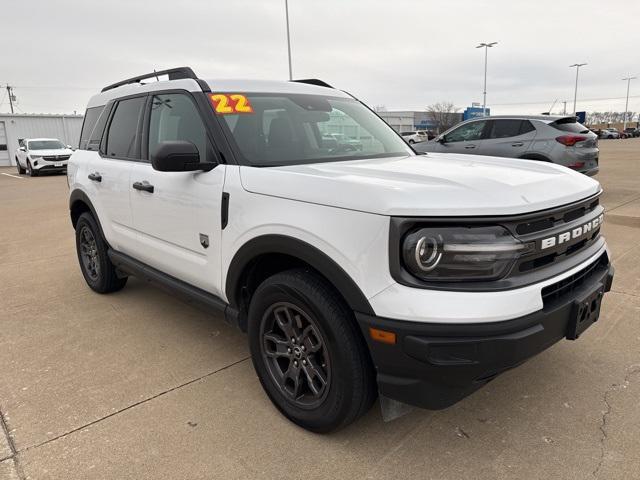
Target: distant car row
[610,133]
[561,140]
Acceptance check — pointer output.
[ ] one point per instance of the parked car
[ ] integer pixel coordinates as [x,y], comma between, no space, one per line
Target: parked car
[632,132]
[561,140]
[415,136]
[36,155]
[377,270]
[610,133]
[342,142]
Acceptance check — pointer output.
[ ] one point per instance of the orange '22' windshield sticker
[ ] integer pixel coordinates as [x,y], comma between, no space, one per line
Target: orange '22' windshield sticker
[226,103]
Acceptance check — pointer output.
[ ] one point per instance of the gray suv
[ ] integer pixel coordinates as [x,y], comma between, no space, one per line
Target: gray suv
[560,140]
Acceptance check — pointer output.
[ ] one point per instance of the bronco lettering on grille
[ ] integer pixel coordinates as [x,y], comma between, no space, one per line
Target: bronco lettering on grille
[572,234]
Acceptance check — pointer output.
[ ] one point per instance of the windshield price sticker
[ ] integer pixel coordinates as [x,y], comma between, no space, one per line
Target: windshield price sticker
[230,103]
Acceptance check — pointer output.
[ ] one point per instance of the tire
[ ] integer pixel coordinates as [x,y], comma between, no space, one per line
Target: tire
[21,171]
[295,319]
[30,171]
[97,269]
[411,142]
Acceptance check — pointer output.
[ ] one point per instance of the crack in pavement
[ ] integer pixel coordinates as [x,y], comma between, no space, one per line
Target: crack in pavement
[129,407]
[12,447]
[632,370]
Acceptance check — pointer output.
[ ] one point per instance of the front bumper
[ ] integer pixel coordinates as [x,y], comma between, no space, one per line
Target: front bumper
[434,365]
[47,166]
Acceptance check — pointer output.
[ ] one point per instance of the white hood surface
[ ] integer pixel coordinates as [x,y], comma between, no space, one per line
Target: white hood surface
[437,184]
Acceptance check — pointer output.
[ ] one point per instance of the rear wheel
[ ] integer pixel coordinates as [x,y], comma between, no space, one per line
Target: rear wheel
[308,353]
[97,269]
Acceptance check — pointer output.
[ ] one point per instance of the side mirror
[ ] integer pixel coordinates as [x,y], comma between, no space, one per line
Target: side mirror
[441,139]
[22,149]
[177,156]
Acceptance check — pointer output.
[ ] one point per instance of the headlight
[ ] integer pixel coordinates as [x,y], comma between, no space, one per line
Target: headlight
[34,157]
[448,254]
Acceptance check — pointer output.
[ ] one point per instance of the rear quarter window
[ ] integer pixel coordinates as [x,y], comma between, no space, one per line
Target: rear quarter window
[90,118]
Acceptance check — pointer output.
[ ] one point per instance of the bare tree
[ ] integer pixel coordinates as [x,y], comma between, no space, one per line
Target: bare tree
[443,114]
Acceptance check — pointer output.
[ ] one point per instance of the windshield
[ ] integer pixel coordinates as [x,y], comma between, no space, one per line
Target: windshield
[286,129]
[46,145]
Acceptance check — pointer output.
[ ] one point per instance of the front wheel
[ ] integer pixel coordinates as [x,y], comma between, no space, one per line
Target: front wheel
[97,269]
[308,352]
[30,171]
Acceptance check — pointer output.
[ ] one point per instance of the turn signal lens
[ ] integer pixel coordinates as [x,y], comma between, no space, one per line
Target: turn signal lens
[382,336]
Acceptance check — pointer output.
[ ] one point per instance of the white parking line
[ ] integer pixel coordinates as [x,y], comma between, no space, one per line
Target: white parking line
[14,176]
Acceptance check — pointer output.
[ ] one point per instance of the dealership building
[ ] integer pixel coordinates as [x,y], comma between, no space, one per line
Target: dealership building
[411,120]
[13,127]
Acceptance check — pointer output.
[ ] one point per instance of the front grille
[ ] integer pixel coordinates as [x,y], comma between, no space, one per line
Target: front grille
[56,158]
[564,287]
[556,218]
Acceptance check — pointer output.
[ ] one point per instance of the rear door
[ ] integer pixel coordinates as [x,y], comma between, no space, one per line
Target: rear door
[178,216]
[110,172]
[508,137]
[467,138]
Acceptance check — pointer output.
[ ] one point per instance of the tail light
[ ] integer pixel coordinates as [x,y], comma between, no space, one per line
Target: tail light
[570,140]
[576,165]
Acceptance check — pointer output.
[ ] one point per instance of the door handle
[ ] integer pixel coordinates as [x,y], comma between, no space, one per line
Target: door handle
[144,186]
[517,144]
[469,147]
[96,177]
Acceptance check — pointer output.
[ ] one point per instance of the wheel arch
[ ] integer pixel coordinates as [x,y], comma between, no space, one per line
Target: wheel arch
[266,255]
[79,203]
[535,156]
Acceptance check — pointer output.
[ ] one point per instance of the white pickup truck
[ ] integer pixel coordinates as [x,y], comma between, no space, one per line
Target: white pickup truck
[354,271]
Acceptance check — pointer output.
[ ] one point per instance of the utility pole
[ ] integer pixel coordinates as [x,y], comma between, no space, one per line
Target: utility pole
[626,104]
[564,109]
[486,47]
[11,97]
[575,93]
[286,11]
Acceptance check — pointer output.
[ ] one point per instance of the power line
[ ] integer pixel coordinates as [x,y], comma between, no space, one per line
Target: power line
[547,101]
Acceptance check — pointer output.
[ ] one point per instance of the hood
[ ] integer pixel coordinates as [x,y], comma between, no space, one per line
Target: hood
[426,185]
[51,151]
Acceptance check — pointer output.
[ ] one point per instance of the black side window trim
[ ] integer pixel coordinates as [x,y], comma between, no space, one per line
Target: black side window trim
[103,142]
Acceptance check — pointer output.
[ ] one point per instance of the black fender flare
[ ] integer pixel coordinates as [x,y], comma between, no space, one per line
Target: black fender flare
[78,195]
[282,244]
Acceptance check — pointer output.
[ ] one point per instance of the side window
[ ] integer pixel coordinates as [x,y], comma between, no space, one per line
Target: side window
[469,132]
[95,136]
[90,119]
[174,116]
[505,128]
[121,138]
[526,127]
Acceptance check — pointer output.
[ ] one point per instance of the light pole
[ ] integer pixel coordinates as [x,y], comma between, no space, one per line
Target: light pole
[486,47]
[286,12]
[575,93]
[626,104]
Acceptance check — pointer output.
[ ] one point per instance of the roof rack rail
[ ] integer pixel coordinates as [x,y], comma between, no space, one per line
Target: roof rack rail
[313,81]
[174,74]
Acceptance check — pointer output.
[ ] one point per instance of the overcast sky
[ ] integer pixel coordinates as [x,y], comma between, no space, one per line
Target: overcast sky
[398,53]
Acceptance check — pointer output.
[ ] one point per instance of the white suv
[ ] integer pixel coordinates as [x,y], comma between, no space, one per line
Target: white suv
[354,272]
[37,155]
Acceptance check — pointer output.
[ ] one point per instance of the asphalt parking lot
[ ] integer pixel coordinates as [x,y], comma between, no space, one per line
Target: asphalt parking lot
[138,384]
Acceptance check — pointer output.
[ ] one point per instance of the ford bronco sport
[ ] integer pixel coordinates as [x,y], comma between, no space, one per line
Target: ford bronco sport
[354,271]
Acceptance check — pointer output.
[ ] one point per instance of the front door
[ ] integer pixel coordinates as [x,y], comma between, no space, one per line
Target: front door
[467,138]
[177,214]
